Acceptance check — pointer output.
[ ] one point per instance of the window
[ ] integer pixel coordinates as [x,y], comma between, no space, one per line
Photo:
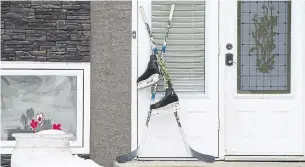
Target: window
[185,54]
[60,90]
[264,63]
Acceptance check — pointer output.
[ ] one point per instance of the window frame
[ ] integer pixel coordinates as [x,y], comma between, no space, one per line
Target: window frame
[134,76]
[81,146]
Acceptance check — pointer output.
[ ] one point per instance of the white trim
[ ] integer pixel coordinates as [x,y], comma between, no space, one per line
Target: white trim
[221,86]
[211,52]
[302,42]
[223,9]
[265,158]
[41,72]
[87,111]
[82,71]
[44,65]
[141,67]
[134,75]
[222,75]
[169,159]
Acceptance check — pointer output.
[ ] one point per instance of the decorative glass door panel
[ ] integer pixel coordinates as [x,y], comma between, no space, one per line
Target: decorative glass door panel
[263,48]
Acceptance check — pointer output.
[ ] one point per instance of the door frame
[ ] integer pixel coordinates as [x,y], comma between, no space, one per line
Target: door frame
[221,112]
[134,92]
[221,84]
[134,76]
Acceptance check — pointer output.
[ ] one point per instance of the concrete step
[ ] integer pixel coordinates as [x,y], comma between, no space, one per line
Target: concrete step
[202,164]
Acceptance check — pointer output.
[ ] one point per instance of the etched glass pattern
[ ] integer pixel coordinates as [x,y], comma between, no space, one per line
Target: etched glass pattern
[263,47]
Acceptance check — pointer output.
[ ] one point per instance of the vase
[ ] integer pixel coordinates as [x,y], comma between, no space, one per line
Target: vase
[40,149]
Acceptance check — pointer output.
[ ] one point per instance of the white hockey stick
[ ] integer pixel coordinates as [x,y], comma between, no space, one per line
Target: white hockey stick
[138,151]
[127,157]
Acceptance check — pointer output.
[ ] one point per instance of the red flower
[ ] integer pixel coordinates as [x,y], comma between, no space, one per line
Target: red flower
[56,126]
[34,124]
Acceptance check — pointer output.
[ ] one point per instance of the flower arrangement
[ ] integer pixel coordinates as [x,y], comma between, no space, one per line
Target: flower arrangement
[39,121]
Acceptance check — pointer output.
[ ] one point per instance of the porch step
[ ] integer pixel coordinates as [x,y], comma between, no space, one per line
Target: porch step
[202,164]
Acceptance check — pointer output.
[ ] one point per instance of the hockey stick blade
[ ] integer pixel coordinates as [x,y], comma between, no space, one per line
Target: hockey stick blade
[202,157]
[128,157]
[192,152]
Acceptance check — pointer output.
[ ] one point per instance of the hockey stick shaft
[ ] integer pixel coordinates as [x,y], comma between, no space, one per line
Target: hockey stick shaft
[164,72]
[148,29]
[153,96]
[167,80]
[170,17]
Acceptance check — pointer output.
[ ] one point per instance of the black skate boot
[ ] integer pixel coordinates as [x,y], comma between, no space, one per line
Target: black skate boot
[168,103]
[151,74]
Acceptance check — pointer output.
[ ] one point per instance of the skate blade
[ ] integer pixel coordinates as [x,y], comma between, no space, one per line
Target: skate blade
[168,109]
[149,81]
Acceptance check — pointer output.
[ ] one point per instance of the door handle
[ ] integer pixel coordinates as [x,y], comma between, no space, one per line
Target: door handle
[229,59]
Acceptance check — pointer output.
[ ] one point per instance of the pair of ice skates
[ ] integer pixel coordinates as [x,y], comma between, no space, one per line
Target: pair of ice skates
[151,76]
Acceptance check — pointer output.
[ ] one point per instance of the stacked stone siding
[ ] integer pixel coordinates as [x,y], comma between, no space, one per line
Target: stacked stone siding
[45,31]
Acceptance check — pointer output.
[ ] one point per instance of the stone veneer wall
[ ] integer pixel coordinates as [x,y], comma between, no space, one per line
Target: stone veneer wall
[52,31]
[45,31]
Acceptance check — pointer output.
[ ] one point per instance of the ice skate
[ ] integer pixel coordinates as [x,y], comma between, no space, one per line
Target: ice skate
[169,103]
[151,74]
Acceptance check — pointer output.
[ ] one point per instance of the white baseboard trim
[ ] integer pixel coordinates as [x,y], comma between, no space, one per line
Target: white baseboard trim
[202,164]
[266,158]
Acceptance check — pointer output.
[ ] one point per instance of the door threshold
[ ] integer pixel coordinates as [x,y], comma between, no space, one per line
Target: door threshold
[203,164]
[165,159]
[284,158]
[258,158]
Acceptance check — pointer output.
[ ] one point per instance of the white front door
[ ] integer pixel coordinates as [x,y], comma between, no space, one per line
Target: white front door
[264,89]
[192,61]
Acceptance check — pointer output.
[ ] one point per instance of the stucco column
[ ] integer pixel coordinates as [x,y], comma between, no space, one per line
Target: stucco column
[111,80]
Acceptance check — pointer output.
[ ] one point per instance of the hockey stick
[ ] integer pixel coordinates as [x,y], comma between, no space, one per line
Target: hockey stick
[166,77]
[138,151]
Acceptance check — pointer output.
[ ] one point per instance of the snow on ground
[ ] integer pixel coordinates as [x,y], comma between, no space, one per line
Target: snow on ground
[57,160]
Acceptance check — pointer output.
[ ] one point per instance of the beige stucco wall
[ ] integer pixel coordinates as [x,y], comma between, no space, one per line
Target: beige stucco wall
[110,80]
